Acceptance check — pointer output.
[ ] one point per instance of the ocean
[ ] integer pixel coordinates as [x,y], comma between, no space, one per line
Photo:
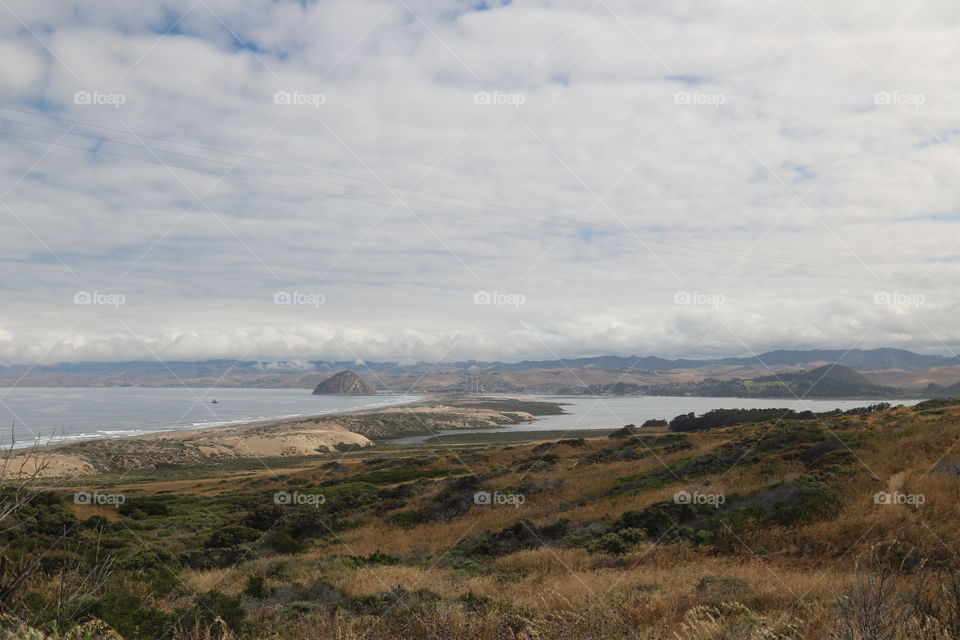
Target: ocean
[67,414]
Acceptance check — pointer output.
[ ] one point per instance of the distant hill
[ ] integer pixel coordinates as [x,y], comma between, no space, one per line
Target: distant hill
[595,374]
[884,358]
[855,358]
[953,391]
[345,382]
[828,381]
[836,373]
[833,380]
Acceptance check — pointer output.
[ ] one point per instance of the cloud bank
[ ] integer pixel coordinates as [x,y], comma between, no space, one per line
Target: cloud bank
[451,180]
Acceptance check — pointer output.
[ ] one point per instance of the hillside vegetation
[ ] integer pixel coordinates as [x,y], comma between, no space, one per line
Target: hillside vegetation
[837,526]
[828,381]
[600,375]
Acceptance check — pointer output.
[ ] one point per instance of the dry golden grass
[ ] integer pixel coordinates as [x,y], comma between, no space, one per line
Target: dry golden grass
[84,511]
[794,574]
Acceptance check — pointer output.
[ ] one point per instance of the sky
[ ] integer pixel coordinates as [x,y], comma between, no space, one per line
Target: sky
[447,180]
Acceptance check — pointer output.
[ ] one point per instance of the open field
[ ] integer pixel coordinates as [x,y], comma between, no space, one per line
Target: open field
[767,530]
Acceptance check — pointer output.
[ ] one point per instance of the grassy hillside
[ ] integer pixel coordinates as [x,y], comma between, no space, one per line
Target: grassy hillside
[843,526]
[828,381]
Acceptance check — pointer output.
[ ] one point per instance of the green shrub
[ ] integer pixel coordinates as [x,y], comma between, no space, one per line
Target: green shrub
[703,536]
[255,588]
[474,602]
[283,542]
[519,535]
[146,559]
[57,560]
[406,518]
[373,559]
[55,522]
[132,618]
[611,543]
[140,506]
[395,599]
[217,558]
[230,536]
[577,540]
[936,403]
[263,517]
[300,607]
[216,604]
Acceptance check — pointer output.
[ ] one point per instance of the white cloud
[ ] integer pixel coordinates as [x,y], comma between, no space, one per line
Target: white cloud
[22,68]
[781,184]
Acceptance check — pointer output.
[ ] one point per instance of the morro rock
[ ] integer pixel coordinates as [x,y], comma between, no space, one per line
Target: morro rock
[344,382]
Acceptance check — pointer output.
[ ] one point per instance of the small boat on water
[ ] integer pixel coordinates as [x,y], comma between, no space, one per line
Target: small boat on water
[214,401]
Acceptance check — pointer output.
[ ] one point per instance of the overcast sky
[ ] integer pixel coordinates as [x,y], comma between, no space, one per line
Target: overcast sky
[447,180]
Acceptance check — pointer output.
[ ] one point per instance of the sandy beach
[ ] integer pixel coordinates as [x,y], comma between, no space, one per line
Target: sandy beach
[316,435]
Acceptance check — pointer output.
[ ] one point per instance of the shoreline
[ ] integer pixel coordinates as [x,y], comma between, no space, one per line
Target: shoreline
[230,424]
[317,435]
[425,398]
[392,425]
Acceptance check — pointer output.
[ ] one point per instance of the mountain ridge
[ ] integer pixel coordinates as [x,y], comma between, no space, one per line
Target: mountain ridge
[883,357]
[603,375]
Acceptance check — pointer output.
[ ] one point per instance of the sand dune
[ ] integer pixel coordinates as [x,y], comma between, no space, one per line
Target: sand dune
[276,438]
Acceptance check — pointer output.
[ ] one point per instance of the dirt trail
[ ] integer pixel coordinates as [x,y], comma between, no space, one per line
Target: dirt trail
[895,483]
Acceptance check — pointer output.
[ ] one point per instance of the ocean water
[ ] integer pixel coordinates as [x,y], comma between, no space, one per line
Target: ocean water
[68,414]
[584,412]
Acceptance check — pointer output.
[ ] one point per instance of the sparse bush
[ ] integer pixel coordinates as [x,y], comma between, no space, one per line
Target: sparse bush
[132,617]
[300,607]
[215,604]
[374,559]
[141,506]
[283,542]
[255,587]
[230,536]
[216,558]
[406,518]
[475,602]
[263,517]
